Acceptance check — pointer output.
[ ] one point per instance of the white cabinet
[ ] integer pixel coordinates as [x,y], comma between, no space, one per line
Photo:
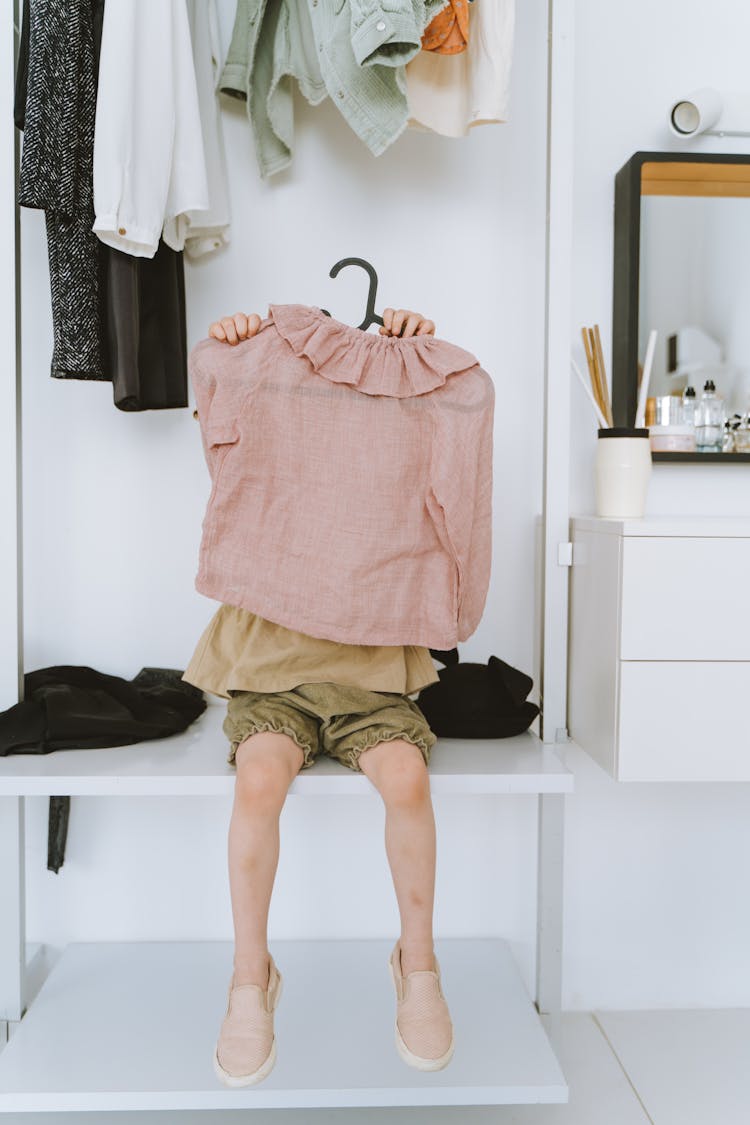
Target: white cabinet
[659,650]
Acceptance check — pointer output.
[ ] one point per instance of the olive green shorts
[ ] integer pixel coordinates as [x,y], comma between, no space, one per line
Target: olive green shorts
[328,718]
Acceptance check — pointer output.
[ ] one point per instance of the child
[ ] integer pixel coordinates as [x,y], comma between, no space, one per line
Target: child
[291,696]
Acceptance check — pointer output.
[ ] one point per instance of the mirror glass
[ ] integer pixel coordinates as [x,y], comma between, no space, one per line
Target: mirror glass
[694,282]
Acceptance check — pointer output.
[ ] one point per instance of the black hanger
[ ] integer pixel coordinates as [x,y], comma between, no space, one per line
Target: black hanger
[371,317]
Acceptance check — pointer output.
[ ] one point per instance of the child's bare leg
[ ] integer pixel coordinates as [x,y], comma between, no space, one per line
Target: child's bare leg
[398,771]
[267,763]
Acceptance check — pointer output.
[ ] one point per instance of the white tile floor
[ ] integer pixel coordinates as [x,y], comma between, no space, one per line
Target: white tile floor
[689,1067]
[623,1068]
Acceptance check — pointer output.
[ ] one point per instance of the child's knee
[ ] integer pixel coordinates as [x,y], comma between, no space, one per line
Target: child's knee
[402,776]
[266,763]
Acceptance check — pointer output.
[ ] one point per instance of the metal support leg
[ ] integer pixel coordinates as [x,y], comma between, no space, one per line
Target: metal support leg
[12,912]
[550,903]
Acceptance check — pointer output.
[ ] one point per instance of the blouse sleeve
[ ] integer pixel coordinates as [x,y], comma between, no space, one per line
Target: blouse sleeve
[460,498]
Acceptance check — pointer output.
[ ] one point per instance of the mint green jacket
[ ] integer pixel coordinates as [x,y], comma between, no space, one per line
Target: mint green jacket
[353,51]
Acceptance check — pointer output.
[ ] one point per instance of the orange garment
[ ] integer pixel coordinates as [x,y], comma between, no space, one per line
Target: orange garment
[448,33]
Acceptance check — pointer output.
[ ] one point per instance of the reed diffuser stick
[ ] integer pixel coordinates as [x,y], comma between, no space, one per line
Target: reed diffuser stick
[640,414]
[599,416]
[604,385]
[588,348]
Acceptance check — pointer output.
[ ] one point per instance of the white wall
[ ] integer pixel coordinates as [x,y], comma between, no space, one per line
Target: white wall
[455,229]
[654,913]
[632,62]
[114,502]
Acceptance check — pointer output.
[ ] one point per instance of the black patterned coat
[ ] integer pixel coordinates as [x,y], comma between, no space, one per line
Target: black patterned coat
[56,105]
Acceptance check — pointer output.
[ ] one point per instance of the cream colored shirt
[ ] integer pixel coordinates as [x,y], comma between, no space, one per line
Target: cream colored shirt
[450,94]
[239,651]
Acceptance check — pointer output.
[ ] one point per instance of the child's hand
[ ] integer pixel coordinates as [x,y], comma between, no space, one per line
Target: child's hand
[402,322]
[232,329]
[397,322]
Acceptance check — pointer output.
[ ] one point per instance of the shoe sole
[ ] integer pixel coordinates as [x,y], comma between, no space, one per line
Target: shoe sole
[265,1068]
[417,1061]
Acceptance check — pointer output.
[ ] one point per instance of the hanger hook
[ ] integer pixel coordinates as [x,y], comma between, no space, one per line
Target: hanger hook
[371,317]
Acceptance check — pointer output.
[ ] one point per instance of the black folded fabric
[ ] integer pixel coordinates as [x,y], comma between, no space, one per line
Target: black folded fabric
[477,700]
[71,706]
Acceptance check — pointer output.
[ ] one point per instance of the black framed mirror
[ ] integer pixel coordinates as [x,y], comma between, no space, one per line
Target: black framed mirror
[682,266]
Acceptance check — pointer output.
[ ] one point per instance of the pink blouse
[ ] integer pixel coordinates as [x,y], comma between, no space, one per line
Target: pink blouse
[351,477]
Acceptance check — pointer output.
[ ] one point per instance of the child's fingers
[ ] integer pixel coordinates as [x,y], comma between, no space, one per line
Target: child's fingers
[396,322]
[227,323]
[245,325]
[413,321]
[403,322]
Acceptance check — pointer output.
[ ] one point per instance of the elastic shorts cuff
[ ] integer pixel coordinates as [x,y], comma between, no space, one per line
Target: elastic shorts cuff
[372,738]
[278,728]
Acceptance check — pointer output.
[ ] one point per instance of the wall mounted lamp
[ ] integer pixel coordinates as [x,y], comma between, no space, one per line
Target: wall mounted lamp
[708,112]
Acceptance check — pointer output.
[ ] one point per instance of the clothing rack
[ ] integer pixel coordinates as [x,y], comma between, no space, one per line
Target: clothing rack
[525,765]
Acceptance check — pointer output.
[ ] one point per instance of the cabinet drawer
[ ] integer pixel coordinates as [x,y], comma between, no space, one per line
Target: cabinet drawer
[683,721]
[682,599]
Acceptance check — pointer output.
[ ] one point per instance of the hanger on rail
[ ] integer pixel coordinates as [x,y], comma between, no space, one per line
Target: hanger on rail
[371,317]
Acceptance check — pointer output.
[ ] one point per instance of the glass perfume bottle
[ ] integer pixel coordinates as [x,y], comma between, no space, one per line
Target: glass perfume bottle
[709,420]
[742,435]
[688,406]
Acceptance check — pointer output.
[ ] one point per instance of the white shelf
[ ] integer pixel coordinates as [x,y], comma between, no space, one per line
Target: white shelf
[194,763]
[712,527]
[132,1026]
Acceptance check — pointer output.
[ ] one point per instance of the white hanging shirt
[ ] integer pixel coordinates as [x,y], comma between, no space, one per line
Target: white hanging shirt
[450,94]
[199,232]
[149,163]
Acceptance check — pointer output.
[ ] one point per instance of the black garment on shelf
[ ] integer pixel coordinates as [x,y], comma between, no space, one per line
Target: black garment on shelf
[71,706]
[477,700]
[115,317]
[75,707]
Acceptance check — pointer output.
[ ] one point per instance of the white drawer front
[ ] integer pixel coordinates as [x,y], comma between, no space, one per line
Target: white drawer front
[685,599]
[684,721]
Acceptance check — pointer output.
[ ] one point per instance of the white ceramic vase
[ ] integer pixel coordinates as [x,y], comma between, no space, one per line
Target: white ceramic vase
[622,472]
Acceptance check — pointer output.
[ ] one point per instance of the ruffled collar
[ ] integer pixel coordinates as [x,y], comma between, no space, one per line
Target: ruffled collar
[374,364]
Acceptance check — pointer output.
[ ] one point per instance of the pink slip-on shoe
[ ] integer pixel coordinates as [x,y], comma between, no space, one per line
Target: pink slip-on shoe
[424,1031]
[245,1051]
